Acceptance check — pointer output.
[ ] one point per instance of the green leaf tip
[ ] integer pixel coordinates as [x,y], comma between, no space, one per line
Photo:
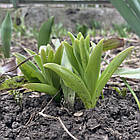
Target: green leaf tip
[93,68]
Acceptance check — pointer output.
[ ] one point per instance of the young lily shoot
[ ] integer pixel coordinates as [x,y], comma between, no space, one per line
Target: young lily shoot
[39,78]
[86,78]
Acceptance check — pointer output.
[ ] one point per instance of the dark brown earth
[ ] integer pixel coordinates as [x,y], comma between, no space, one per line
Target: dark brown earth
[114,118]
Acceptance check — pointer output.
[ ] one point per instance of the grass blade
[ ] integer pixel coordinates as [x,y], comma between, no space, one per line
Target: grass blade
[132,92]
[79,35]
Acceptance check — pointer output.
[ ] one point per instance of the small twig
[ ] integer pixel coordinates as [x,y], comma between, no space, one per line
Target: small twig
[50,101]
[98,125]
[131,40]
[31,118]
[48,116]
[7,74]
[14,68]
[4,93]
[66,129]
[59,119]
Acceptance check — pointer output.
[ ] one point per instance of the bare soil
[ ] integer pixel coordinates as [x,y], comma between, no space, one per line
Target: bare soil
[114,118]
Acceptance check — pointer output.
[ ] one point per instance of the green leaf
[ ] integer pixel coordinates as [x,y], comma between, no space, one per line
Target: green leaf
[69,94]
[129,13]
[71,37]
[65,62]
[36,58]
[93,68]
[135,5]
[30,71]
[72,81]
[128,73]
[71,57]
[87,43]
[83,53]
[57,60]
[41,88]
[43,54]
[76,51]
[38,61]
[48,49]
[108,72]
[6,35]
[50,56]
[58,54]
[79,35]
[45,32]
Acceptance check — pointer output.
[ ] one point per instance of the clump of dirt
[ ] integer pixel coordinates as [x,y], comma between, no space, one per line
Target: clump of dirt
[114,118]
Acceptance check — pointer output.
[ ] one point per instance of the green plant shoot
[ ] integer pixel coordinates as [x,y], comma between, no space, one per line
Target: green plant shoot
[39,78]
[86,78]
[132,92]
[45,32]
[6,34]
[131,74]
